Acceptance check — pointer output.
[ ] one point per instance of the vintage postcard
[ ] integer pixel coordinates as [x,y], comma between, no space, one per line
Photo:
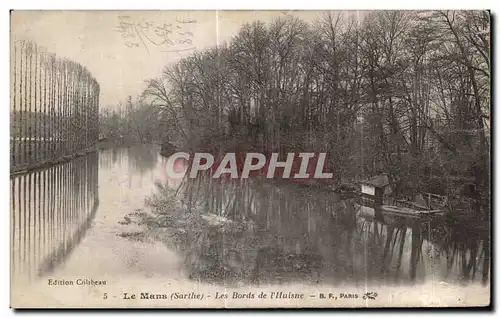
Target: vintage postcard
[250,159]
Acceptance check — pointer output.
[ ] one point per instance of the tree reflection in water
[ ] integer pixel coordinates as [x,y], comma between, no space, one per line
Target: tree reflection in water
[257,231]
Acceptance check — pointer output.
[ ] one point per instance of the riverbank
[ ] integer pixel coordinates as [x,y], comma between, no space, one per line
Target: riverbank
[23,169]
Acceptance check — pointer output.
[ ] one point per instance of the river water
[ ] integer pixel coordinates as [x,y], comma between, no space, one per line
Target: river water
[74,221]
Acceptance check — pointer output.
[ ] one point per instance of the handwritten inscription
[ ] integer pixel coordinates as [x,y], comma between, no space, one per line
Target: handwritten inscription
[174,36]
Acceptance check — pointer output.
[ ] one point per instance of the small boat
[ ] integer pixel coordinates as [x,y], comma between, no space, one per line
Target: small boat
[405,211]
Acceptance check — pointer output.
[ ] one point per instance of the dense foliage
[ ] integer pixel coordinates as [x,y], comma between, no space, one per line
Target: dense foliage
[403,92]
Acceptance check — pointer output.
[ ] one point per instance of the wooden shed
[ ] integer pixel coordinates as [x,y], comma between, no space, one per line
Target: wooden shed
[376,187]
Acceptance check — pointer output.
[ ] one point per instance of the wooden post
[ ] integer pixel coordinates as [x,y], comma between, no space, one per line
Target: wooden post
[35,113]
[29,118]
[14,116]
[45,119]
[22,89]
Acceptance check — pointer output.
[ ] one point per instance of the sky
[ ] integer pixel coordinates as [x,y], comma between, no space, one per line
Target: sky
[122,49]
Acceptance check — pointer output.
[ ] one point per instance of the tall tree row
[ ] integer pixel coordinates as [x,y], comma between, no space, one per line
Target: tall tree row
[54,104]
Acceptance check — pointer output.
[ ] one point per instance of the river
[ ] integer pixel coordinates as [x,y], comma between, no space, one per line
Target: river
[72,221]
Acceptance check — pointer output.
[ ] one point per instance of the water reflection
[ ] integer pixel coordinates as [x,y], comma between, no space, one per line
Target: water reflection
[51,210]
[256,231]
[139,159]
[242,232]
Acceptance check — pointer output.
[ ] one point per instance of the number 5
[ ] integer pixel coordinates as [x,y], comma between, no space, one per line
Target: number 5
[105,296]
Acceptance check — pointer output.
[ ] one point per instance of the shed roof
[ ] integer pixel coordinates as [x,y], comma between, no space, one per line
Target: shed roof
[378,181]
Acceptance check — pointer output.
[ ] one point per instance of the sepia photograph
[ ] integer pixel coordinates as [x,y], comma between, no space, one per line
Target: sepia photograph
[250,159]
